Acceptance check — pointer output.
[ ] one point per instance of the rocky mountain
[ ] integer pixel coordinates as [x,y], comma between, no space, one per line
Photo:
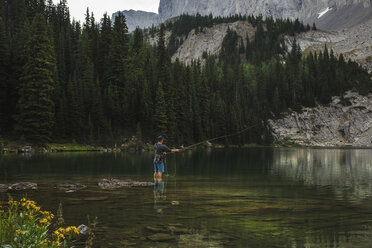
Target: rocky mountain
[344,122]
[327,14]
[141,19]
[210,40]
[354,43]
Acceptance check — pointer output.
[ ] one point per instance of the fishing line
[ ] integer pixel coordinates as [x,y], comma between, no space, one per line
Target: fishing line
[217,138]
[200,143]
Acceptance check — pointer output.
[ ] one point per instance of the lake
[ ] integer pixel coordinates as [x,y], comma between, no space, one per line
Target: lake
[253,197]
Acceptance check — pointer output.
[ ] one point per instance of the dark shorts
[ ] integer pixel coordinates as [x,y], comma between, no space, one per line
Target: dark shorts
[159,167]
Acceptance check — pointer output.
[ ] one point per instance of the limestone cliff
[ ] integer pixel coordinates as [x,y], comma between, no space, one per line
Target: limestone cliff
[354,43]
[210,40]
[302,9]
[344,122]
[327,14]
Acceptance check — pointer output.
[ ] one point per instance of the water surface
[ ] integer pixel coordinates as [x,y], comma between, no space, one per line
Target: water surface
[227,197]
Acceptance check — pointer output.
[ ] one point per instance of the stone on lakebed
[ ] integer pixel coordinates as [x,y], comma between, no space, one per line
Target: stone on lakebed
[160,237]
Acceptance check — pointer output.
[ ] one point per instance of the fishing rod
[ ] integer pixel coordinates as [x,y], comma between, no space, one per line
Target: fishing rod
[217,138]
[209,140]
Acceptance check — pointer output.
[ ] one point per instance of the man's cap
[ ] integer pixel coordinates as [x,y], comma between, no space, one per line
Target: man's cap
[160,137]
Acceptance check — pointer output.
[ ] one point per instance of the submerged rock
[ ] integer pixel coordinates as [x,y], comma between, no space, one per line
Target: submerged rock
[179,230]
[70,188]
[197,240]
[22,186]
[160,237]
[115,183]
[154,229]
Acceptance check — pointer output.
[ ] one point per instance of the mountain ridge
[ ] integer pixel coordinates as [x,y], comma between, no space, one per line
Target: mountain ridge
[342,14]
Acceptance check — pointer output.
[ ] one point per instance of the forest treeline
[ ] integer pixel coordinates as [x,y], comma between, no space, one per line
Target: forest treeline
[94,83]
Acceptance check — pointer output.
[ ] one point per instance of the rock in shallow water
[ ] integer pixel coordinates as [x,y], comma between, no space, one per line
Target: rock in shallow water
[154,229]
[71,187]
[178,230]
[22,186]
[196,241]
[115,183]
[83,229]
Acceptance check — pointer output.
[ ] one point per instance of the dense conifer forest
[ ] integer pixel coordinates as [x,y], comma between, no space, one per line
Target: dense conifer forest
[94,83]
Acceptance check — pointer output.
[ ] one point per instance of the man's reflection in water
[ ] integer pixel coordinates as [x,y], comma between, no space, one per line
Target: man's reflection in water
[159,197]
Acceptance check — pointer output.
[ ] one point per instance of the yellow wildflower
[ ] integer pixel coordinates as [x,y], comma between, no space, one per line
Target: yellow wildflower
[18,231]
[13,203]
[29,216]
[44,221]
[76,231]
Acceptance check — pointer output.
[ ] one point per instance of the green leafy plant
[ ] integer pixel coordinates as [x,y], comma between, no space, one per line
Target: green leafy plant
[24,224]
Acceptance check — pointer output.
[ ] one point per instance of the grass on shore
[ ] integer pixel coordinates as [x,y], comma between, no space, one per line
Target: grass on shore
[72,147]
[14,146]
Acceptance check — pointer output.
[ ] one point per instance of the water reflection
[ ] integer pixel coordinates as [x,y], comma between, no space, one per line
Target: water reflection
[220,198]
[339,168]
[159,196]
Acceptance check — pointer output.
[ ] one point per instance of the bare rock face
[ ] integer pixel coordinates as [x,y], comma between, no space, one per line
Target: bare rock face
[116,184]
[337,14]
[141,19]
[354,43]
[305,10]
[345,122]
[210,40]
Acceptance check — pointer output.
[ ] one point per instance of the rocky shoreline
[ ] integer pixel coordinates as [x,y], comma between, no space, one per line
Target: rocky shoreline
[345,122]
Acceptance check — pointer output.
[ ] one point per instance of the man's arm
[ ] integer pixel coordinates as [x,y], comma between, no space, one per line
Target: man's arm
[167,149]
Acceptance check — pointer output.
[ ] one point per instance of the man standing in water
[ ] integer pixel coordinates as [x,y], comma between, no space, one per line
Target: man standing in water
[160,151]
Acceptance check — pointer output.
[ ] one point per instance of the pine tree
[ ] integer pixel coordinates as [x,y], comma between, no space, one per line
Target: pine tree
[4,66]
[35,107]
[116,75]
[163,60]
[160,116]
[314,27]
[74,111]
[104,48]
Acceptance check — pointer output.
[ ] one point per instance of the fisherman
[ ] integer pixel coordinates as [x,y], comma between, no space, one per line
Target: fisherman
[160,151]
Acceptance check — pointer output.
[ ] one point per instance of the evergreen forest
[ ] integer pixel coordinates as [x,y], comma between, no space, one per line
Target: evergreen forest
[94,83]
